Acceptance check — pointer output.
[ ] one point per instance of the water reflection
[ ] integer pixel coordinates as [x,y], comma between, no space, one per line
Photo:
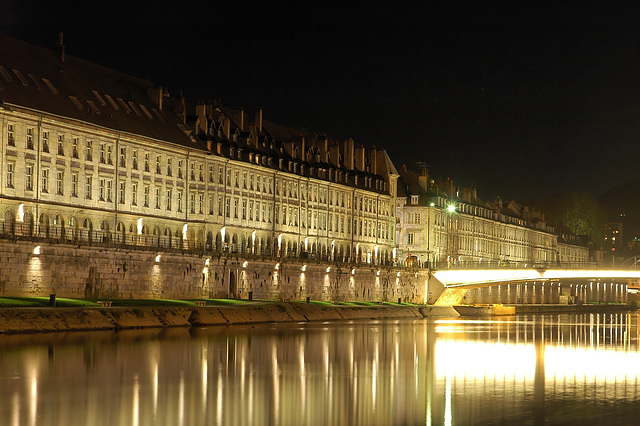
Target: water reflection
[537,369]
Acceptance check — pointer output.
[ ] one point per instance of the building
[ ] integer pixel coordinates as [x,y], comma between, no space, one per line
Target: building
[94,156]
[440,225]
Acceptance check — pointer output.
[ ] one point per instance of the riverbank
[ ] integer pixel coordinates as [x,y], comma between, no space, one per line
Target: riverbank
[39,320]
[42,320]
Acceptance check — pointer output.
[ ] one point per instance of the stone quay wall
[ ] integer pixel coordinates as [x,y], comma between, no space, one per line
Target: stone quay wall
[78,271]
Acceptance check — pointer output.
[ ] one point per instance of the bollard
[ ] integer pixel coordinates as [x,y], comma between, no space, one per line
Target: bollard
[52,300]
[308,299]
[250,296]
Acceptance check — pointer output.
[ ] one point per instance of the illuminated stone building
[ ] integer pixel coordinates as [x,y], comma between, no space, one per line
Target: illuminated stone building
[447,227]
[90,155]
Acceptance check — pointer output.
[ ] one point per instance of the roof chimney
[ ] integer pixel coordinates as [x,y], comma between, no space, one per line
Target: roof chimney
[360,158]
[61,45]
[259,120]
[348,153]
[423,179]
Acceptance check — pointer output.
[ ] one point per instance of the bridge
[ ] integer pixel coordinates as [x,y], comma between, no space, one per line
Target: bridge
[536,284]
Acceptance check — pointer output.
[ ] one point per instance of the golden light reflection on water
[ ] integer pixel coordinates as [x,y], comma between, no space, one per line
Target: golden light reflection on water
[393,372]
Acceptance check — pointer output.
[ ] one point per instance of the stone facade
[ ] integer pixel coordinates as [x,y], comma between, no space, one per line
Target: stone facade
[111,272]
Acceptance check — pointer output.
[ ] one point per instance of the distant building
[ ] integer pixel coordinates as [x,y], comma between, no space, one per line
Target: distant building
[613,239]
[443,226]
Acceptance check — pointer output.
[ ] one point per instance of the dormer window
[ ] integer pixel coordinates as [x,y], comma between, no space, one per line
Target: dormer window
[415,199]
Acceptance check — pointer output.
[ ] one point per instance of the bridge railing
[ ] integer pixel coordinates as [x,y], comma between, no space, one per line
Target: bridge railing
[500,264]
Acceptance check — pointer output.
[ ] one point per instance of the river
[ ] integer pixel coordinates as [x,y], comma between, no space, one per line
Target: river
[545,369]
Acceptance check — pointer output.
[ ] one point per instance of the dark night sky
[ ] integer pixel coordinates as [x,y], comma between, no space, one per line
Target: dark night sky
[522,102]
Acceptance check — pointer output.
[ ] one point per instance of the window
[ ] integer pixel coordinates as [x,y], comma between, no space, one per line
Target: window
[109,155]
[236,176]
[60,182]
[74,149]
[158,171]
[235,208]
[250,210]
[10,172]
[157,197]
[11,139]
[227,207]
[179,169]
[411,238]
[244,209]
[88,187]
[102,157]
[29,138]
[134,194]
[45,141]
[146,162]
[210,204]
[169,199]
[200,174]
[134,156]
[192,175]
[200,202]
[45,180]
[146,196]
[89,147]
[192,203]
[168,166]
[74,184]
[109,189]
[220,177]
[180,201]
[60,144]
[121,193]
[123,157]
[211,174]
[228,177]
[101,191]
[414,199]
[244,180]
[219,206]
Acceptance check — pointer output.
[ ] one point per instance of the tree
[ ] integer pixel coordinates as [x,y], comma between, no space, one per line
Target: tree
[580,212]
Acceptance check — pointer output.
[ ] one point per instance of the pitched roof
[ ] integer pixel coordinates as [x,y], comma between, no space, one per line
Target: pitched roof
[35,77]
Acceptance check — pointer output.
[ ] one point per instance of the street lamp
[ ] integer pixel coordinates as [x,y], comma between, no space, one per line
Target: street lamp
[451,208]
[429,234]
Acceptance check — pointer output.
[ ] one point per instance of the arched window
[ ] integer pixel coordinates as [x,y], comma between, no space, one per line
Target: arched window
[87,229]
[8,226]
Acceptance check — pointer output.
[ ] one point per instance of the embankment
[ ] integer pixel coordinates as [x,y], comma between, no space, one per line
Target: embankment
[39,320]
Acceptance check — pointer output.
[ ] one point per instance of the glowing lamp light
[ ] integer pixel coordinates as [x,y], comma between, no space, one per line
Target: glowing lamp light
[328,268]
[158,258]
[36,250]
[206,262]
[398,274]
[244,264]
[304,268]
[378,273]
[353,271]
[451,208]
[432,204]
[277,266]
